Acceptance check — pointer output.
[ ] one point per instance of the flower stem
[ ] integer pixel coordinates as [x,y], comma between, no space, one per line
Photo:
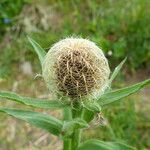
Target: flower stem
[67,114]
[76,137]
[67,144]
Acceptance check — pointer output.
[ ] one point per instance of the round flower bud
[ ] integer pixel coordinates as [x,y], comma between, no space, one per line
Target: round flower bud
[76,68]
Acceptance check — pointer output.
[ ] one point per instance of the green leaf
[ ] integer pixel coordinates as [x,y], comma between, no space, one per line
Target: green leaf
[37,119]
[121,93]
[101,145]
[70,126]
[116,71]
[88,115]
[38,49]
[92,106]
[31,101]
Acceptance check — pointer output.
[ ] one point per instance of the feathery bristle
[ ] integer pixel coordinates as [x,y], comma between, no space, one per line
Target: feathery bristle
[76,68]
[75,73]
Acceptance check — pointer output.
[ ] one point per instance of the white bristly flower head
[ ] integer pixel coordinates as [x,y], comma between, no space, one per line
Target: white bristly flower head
[76,68]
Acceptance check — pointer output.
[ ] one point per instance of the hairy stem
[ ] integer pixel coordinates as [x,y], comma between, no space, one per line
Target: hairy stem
[76,137]
[67,114]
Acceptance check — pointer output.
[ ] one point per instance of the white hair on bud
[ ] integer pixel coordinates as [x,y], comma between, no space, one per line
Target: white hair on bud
[76,68]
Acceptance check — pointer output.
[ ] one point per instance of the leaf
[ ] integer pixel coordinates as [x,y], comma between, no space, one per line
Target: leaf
[88,115]
[121,93]
[70,126]
[38,49]
[101,145]
[92,106]
[31,101]
[37,119]
[116,71]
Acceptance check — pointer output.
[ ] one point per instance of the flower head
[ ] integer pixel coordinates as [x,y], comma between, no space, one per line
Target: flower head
[77,68]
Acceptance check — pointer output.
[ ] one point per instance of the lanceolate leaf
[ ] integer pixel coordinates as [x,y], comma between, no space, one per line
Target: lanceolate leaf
[116,71]
[121,93]
[101,145]
[40,120]
[31,101]
[38,49]
[71,125]
[92,106]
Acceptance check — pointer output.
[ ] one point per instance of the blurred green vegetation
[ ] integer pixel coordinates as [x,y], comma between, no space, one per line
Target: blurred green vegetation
[8,10]
[120,28]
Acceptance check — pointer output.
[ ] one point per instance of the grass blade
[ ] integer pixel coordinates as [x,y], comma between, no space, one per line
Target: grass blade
[121,93]
[38,49]
[31,101]
[37,119]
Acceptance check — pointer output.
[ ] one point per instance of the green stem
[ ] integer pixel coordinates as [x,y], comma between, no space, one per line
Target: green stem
[76,137]
[67,114]
[67,144]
